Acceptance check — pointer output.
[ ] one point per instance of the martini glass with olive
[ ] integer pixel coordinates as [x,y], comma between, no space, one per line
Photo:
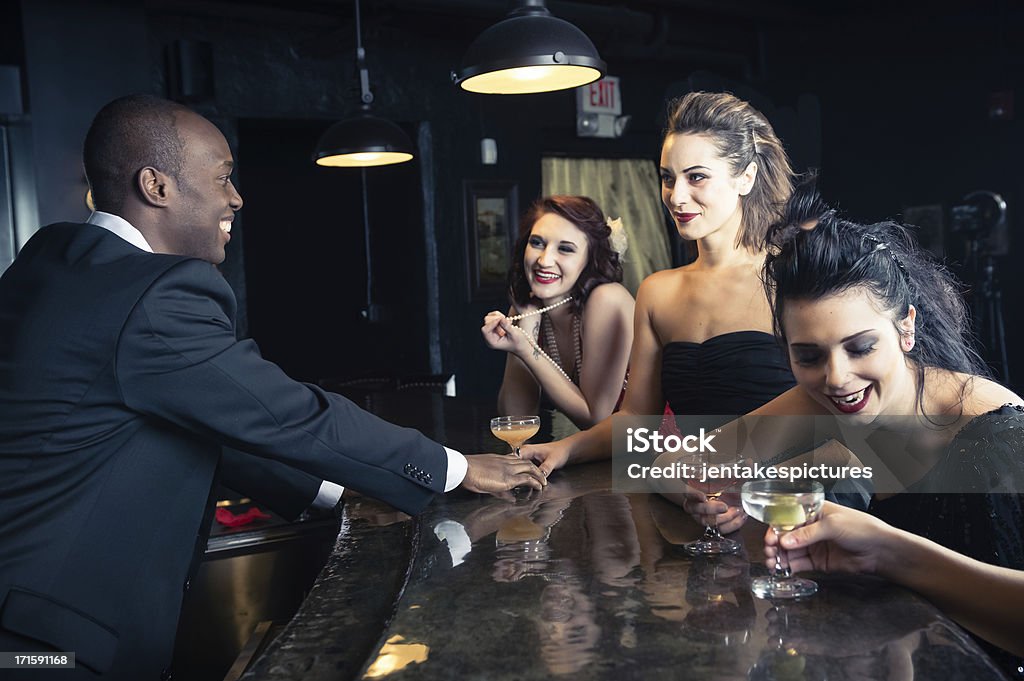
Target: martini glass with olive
[783,505]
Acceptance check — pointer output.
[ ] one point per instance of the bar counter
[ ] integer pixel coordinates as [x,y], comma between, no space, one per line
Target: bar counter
[580,581]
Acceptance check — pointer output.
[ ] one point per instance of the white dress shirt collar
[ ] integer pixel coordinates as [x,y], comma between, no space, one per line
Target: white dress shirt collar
[120,227]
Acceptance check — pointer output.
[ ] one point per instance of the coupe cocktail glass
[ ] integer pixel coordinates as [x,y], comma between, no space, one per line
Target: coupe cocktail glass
[515,430]
[784,505]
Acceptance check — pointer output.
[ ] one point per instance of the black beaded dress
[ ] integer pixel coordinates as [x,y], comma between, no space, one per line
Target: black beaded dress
[955,504]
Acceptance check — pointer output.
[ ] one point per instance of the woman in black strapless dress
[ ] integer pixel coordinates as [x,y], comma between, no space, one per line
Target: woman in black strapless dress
[702,333]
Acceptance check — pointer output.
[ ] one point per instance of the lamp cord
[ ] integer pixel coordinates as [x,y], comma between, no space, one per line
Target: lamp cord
[366,239]
[365,96]
[359,32]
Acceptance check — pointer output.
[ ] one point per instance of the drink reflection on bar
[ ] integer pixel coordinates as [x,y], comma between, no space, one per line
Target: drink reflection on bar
[609,241]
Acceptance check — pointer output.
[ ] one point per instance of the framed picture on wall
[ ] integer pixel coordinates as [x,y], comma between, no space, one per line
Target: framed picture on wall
[492,210]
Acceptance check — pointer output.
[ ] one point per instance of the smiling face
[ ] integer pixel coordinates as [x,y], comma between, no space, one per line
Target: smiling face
[846,353]
[207,200]
[699,187]
[556,254]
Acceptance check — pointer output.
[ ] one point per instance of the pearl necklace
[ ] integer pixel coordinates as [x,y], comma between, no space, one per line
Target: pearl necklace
[516,318]
[529,338]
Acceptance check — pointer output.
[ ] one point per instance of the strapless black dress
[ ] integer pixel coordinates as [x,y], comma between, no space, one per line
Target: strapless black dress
[730,374]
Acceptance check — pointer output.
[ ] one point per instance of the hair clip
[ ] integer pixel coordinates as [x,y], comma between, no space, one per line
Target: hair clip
[619,241]
[883,246]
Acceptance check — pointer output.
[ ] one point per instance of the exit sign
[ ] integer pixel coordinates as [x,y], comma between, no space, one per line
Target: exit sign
[601,97]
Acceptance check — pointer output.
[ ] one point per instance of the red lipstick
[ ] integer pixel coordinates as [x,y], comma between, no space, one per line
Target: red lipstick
[851,407]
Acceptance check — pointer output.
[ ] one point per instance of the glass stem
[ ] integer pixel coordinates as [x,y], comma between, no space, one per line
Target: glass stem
[515,450]
[780,571]
[782,621]
[711,532]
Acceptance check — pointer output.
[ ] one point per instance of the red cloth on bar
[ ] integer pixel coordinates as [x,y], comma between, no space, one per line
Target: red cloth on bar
[229,519]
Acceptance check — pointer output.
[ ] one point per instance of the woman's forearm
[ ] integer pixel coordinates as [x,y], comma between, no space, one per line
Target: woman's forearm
[563,393]
[591,445]
[986,599]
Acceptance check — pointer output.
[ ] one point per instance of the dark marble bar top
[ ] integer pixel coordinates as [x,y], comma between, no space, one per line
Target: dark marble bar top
[579,581]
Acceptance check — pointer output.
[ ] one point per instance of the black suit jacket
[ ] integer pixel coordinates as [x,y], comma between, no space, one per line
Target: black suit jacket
[120,380]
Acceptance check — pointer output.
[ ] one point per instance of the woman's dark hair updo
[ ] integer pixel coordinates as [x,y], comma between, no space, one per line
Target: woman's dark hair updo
[813,253]
[603,262]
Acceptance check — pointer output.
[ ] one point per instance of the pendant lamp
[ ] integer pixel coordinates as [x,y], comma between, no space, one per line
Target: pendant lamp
[363,140]
[529,51]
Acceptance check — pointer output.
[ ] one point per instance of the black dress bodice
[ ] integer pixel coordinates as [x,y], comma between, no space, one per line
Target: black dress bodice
[730,374]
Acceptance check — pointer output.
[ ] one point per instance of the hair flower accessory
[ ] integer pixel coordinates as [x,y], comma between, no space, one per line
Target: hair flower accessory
[617,238]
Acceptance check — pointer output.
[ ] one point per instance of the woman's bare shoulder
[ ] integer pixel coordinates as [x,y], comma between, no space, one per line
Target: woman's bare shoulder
[608,304]
[661,282]
[982,395]
[610,293]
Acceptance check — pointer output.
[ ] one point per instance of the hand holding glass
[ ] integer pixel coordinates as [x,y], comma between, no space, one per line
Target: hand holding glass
[784,505]
[515,430]
[712,543]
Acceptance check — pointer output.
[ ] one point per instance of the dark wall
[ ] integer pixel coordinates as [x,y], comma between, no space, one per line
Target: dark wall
[305,257]
[893,106]
[907,105]
[78,57]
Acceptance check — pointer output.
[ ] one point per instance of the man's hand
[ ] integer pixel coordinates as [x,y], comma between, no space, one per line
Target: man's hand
[493,473]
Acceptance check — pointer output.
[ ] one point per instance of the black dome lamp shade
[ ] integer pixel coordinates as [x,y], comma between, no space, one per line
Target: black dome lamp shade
[363,140]
[529,51]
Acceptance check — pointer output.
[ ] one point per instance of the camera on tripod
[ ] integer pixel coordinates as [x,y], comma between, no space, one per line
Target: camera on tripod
[981,219]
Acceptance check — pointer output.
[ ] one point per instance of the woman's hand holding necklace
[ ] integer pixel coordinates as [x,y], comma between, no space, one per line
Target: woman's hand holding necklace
[499,334]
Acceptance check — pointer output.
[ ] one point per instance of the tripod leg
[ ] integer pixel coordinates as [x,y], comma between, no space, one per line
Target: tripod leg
[1001,336]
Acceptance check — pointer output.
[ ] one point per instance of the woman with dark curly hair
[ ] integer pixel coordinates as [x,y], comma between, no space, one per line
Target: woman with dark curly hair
[569,331]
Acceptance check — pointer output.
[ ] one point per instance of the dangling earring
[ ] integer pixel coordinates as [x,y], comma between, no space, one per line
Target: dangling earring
[908,340]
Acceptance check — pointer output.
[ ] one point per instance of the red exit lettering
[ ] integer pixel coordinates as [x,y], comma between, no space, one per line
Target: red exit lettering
[602,93]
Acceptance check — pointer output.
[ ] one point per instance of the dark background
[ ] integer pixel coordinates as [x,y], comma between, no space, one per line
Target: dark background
[895,102]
